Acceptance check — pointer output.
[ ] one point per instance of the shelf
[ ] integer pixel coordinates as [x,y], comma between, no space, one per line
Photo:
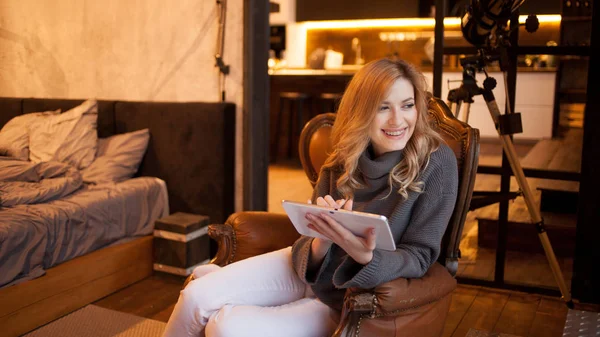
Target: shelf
[571,96]
[573,91]
[523,50]
[574,58]
[460,50]
[531,173]
[561,50]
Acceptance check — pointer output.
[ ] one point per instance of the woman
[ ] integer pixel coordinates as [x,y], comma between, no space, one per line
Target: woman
[385,160]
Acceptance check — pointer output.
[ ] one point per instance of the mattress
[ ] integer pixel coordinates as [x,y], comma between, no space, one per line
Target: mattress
[37,236]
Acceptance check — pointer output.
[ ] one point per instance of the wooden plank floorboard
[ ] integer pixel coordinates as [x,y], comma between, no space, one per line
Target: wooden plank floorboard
[163,315]
[482,267]
[147,298]
[483,313]
[462,299]
[518,314]
[549,319]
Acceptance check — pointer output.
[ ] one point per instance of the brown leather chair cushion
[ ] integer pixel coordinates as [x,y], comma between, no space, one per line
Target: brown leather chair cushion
[402,293]
[402,307]
[424,321]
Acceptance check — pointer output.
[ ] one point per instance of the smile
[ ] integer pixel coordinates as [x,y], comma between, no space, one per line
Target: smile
[394,133]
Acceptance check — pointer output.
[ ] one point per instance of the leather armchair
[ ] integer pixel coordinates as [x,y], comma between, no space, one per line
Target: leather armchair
[402,307]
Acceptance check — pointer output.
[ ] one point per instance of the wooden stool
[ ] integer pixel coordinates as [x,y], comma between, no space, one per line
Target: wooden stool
[181,243]
[289,100]
[330,101]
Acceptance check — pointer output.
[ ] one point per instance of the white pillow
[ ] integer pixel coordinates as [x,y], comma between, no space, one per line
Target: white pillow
[14,136]
[118,157]
[70,137]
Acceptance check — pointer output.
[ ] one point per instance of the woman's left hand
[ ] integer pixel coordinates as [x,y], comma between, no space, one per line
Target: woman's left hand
[359,248]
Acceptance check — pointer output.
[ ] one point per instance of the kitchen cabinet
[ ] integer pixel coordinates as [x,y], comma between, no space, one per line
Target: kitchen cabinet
[314,10]
[534,100]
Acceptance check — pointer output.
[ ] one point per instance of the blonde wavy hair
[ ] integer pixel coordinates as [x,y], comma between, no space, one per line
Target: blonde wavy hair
[357,110]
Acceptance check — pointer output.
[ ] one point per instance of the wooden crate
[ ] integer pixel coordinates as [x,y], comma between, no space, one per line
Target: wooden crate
[181,243]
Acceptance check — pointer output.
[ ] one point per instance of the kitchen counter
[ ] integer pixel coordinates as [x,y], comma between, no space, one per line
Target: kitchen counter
[310,72]
[349,69]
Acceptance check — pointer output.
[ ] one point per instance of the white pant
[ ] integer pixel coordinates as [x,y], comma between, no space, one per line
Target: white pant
[259,296]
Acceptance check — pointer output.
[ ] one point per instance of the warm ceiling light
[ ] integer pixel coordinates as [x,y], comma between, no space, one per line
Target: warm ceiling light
[378,23]
[410,22]
[542,18]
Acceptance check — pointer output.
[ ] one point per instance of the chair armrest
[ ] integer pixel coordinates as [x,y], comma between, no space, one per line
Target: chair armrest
[247,234]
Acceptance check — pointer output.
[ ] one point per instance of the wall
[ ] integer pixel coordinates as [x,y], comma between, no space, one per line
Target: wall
[295,44]
[286,14]
[149,50]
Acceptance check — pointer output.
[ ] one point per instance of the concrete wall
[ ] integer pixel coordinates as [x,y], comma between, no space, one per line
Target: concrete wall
[137,50]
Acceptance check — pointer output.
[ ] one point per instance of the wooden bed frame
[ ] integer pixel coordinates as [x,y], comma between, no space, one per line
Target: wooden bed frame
[190,172]
[73,284]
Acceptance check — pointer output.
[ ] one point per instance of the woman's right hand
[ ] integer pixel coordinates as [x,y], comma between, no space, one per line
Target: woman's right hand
[328,201]
[319,247]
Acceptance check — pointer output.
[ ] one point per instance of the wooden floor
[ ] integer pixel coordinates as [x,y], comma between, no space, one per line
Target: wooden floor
[153,297]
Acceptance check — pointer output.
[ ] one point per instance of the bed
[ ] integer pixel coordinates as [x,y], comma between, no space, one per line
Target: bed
[80,242]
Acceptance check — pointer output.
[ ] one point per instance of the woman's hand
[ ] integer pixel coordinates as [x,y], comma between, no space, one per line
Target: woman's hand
[319,247]
[359,248]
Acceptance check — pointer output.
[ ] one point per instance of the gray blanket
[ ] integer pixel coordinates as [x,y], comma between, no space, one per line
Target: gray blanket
[47,223]
[25,183]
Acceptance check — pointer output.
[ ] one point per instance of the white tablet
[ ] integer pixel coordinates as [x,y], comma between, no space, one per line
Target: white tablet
[356,222]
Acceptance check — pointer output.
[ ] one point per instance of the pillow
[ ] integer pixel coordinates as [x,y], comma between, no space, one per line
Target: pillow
[70,137]
[118,157]
[14,136]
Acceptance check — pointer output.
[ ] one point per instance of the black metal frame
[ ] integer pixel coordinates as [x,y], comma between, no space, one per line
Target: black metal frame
[522,50]
[504,171]
[256,104]
[586,274]
[533,173]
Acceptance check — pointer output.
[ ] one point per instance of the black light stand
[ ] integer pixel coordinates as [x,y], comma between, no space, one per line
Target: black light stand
[464,94]
[506,125]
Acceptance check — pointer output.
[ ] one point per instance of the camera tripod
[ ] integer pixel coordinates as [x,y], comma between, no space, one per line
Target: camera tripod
[506,125]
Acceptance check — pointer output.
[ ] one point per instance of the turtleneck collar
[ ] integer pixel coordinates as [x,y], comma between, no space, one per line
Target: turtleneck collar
[375,168]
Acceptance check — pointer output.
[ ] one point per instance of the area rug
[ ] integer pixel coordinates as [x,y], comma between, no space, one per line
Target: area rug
[94,321]
[581,323]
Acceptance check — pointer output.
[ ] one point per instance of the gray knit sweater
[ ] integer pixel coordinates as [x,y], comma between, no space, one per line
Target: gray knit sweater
[417,224]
